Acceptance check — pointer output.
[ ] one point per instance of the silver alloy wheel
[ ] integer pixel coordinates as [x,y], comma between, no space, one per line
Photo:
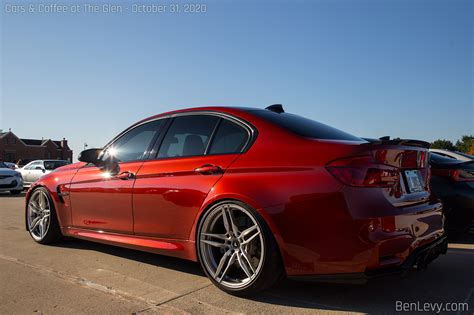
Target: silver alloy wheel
[38,214]
[232,245]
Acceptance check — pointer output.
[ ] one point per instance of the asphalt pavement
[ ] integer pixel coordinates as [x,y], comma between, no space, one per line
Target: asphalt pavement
[80,277]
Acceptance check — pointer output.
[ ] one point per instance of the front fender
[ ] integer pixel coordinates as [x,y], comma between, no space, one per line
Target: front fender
[52,182]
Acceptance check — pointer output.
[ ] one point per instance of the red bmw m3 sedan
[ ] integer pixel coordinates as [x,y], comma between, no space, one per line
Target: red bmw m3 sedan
[252,194]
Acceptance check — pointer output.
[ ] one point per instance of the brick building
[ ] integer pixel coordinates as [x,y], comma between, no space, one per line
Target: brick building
[13,148]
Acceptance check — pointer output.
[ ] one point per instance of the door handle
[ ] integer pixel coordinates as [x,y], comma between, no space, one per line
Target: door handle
[208,169]
[125,175]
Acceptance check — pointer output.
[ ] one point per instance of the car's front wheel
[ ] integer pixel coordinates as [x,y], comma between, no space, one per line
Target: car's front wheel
[41,217]
[237,250]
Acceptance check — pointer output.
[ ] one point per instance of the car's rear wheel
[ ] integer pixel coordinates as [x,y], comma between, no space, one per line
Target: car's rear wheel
[41,217]
[237,250]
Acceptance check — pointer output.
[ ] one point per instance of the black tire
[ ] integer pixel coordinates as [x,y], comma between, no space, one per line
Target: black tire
[53,233]
[15,192]
[272,269]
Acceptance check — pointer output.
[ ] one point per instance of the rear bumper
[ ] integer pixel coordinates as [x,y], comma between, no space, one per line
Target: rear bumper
[315,240]
[420,258]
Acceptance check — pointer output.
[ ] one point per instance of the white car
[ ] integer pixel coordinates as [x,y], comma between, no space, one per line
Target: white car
[453,155]
[10,180]
[32,171]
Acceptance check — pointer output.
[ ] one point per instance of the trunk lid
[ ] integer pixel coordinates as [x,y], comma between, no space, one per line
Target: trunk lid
[399,167]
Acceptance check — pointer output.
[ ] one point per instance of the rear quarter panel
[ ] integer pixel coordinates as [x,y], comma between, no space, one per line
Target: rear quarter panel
[283,177]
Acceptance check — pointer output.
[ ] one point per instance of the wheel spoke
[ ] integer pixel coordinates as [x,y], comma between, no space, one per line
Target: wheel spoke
[42,201]
[248,240]
[248,231]
[34,207]
[218,236]
[229,264]
[222,262]
[226,220]
[41,228]
[247,259]
[229,217]
[35,223]
[212,243]
[45,225]
[244,266]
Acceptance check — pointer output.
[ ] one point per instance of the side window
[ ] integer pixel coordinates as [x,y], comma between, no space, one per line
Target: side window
[229,138]
[133,145]
[32,166]
[188,136]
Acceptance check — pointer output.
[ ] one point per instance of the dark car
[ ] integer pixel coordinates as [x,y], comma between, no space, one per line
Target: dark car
[453,182]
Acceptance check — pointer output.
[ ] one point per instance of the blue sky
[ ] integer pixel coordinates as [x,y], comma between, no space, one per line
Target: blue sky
[372,68]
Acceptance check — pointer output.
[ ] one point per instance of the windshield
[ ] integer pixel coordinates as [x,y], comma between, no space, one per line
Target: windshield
[52,165]
[3,165]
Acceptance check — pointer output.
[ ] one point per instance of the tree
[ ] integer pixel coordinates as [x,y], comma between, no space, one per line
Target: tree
[443,144]
[466,144]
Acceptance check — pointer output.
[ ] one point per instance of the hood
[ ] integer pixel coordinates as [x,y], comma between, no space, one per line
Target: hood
[70,166]
[7,171]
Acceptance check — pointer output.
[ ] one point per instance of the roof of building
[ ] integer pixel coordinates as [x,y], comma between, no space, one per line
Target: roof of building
[32,141]
[40,142]
[37,142]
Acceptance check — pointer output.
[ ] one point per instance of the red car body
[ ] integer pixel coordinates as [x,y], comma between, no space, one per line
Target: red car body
[322,224]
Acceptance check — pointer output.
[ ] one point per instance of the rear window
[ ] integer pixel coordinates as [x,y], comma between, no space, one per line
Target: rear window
[466,155]
[304,127]
[437,158]
[229,138]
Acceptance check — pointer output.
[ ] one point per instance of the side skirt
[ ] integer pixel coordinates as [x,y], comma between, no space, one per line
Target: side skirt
[170,247]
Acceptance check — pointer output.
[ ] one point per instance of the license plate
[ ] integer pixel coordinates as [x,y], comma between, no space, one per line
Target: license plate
[414,182]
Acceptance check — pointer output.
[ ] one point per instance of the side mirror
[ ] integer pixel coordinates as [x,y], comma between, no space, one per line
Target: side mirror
[90,156]
[39,168]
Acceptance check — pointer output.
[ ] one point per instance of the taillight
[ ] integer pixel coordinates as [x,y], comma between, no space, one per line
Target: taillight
[458,175]
[362,171]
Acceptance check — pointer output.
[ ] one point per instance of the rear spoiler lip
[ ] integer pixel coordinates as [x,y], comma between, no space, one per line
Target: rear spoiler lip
[405,142]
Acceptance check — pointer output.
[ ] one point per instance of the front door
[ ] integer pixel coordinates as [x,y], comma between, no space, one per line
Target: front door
[103,201]
[32,171]
[101,197]
[193,156]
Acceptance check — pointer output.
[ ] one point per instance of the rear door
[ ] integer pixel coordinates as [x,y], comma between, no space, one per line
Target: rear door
[192,156]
